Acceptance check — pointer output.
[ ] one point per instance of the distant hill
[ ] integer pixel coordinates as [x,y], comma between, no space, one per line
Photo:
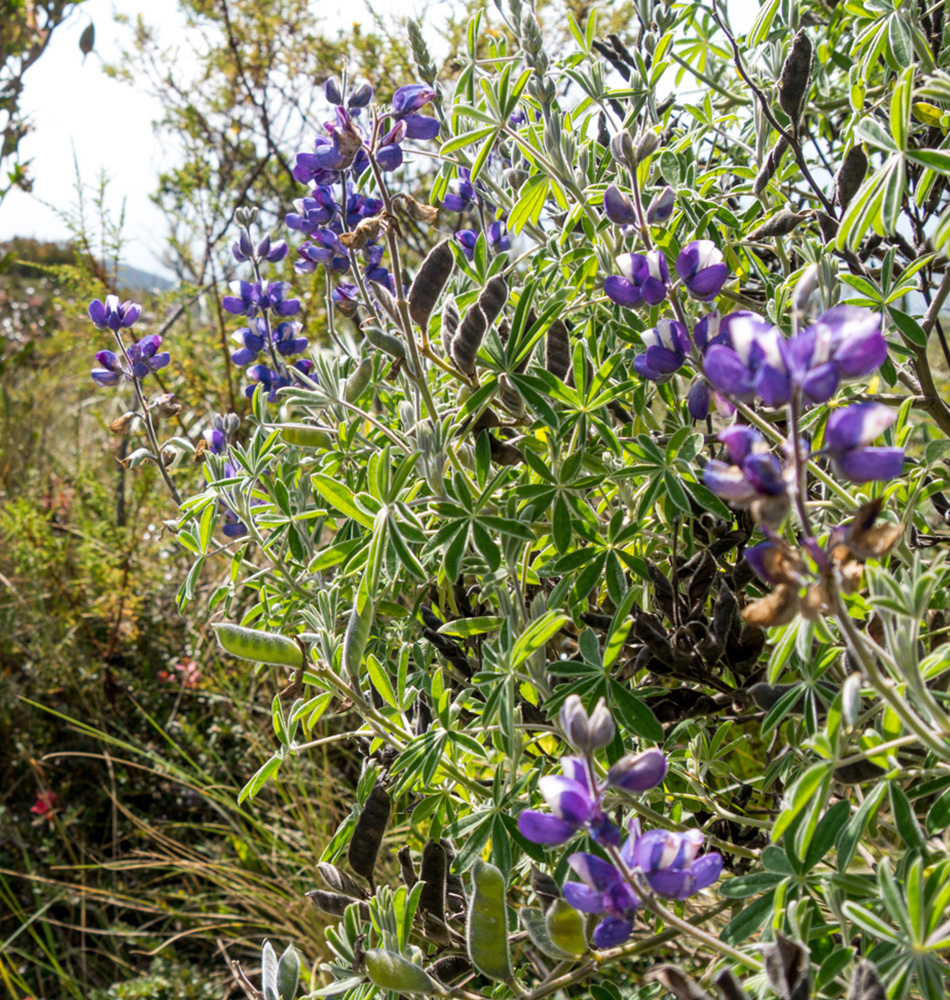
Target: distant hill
[134,279]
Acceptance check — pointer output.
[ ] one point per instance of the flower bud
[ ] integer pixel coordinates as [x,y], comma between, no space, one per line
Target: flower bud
[246,216]
[661,207]
[618,207]
[621,148]
[360,97]
[804,288]
[646,145]
[587,733]
[231,423]
[263,248]
[331,90]
[277,251]
[638,772]
[242,248]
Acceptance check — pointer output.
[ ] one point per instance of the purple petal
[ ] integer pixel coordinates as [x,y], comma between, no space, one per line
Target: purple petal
[639,772]
[697,401]
[740,441]
[583,897]
[594,871]
[654,291]
[662,360]
[725,370]
[132,313]
[97,313]
[233,305]
[411,98]
[623,292]
[764,472]
[542,828]
[857,425]
[158,361]
[567,799]
[617,207]
[102,376]
[772,386]
[820,384]
[421,127]
[863,465]
[612,931]
[707,869]
[389,157]
[756,558]
[708,283]
[243,356]
[674,883]
[641,365]
[728,482]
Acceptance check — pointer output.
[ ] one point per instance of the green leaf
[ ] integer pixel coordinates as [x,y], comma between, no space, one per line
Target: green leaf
[381,681]
[536,635]
[745,923]
[530,203]
[465,627]
[338,495]
[799,795]
[259,778]
[848,838]
[870,922]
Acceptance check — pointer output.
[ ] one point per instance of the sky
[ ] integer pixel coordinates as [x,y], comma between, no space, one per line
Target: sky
[80,113]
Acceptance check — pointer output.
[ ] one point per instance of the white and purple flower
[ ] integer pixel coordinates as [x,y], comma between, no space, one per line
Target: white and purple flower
[701,266]
[645,278]
[848,435]
[667,348]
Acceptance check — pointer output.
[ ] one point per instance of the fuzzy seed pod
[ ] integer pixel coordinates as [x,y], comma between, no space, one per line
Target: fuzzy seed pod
[123,425]
[366,231]
[418,211]
[793,83]
[339,881]
[406,867]
[828,226]
[545,888]
[369,832]
[261,647]
[487,932]
[772,163]
[386,342]
[466,342]
[358,380]
[780,224]
[503,453]
[432,873]
[396,973]
[858,772]
[493,298]
[851,175]
[509,397]
[450,968]
[557,353]
[450,324]
[428,283]
[335,904]
[386,301]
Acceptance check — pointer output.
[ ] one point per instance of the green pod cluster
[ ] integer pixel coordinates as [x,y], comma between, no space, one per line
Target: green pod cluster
[487,926]
[385,342]
[429,281]
[260,647]
[358,380]
[391,971]
[369,832]
[305,436]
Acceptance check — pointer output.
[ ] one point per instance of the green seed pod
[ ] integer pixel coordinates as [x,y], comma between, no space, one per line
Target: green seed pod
[781,224]
[370,830]
[396,973]
[557,353]
[358,380]
[335,904]
[487,930]
[533,922]
[450,324]
[339,881]
[356,637]
[428,283]
[566,928]
[493,298]
[450,968]
[434,866]
[386,342]
[261,647]
[796,72]
[545,888]
[466,342]
[851,176]
[305,436]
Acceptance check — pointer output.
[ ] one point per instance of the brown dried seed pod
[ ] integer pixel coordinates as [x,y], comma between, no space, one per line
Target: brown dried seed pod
[468,339]
[545,888]
[771,165]
[796,72]
[433,872]
[557,349]
[428,283]
[417,210]
[406,867]
[339,881]
[851,175]
[503,453]
[493,298]
[450,968]
[777,608]
[369,832]
[509,397]
[450,324]
[366,231]
[828,226]
[335,904]
[858,772]
[781,224]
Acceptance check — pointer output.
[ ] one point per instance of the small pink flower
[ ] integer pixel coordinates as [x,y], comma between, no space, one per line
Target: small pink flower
[44,805]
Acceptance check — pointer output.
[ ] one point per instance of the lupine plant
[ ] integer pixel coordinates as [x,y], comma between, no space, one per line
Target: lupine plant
[603,514]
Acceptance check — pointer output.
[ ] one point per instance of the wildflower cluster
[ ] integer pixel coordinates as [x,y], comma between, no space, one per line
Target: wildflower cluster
[660,861]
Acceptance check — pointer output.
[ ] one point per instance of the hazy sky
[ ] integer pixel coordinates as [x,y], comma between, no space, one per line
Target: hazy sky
[107,124]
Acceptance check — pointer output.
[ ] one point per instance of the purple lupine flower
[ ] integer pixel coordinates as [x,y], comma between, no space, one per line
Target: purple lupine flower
[848,434]
[857,345]
[645,279]
[252,343]
[406,102]
[667,347]
[701,266]
[697,399]
[242,249]
[273,253]
[638,772]
[274,381]
[755,478]
[113,315]
[217,440]
[574,801]
[669,861]
[389,157]
[314,212]
[587,733]
[233,526]
[359,207]
[323,247]
[345,298]
[466,239]
[112,369]
[497,236]
[605,890]
[661,207]
[246,299]
[618,207]
[517,118]
[711,329]
[372,255]
[144,356]
[461,193]
[731,365]
[274,300]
